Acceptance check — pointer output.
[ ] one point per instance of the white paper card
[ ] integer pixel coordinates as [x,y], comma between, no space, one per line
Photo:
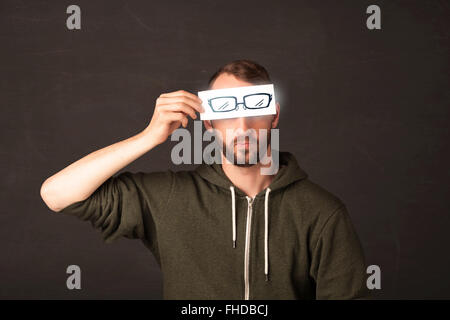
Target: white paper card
[238,102]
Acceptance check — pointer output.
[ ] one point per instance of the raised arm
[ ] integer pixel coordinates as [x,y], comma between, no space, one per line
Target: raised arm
[80,179]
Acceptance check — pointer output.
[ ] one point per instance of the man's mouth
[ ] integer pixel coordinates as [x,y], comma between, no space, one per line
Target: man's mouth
[241,142]
[241,145]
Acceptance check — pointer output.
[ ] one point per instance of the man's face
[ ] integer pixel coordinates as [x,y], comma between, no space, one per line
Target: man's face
[240,125]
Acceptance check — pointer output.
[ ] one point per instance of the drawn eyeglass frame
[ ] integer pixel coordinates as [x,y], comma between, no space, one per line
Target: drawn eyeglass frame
[229,103]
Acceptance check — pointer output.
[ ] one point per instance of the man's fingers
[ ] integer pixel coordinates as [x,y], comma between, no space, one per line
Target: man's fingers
[180,107]
[187,100]
[184,96]
[176,116]
[180,93]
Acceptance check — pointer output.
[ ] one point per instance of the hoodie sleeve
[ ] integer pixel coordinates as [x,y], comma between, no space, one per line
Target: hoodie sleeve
[338,263]
[127,205]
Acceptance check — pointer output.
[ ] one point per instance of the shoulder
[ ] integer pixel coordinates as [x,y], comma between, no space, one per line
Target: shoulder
[314,196]
[179,178]
[314,203]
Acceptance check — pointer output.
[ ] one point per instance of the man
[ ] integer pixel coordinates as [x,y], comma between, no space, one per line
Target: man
[220,231]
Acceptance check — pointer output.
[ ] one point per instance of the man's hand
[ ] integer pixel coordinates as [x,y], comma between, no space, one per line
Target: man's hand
[172,110]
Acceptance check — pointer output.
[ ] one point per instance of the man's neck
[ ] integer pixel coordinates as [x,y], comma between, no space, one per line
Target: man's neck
[248,179]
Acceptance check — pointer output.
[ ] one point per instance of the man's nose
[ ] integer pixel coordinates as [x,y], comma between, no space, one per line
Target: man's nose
[243,123]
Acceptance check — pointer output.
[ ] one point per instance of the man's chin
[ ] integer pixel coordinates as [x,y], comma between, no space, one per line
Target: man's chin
[244,165]
[242,159]
[241,153]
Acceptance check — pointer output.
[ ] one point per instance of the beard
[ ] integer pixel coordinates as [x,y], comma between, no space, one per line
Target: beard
[248,156]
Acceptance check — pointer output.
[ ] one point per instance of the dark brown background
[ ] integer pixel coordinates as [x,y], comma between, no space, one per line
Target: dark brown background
[365,112]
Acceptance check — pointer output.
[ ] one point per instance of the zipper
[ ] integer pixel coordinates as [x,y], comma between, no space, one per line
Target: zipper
[247,249]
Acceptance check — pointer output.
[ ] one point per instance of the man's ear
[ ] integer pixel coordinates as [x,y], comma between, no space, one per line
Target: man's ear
[276,118]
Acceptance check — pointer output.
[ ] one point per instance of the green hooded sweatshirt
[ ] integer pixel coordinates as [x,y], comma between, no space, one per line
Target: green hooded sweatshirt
[294,240]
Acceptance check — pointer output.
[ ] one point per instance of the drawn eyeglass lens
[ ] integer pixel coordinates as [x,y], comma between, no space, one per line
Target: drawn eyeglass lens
[256,101]
[223,104]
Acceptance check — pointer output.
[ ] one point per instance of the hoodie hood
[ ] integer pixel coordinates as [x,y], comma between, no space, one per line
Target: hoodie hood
[288,172]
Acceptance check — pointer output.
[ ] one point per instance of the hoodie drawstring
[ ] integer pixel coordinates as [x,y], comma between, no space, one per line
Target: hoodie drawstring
[266,234]
[233,213]
[266,227]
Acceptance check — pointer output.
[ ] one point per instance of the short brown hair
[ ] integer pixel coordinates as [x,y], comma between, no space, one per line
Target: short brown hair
[245,70]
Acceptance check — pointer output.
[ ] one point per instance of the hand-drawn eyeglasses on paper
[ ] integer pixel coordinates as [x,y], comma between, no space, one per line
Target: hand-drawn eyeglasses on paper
[230,103]
[245,101]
